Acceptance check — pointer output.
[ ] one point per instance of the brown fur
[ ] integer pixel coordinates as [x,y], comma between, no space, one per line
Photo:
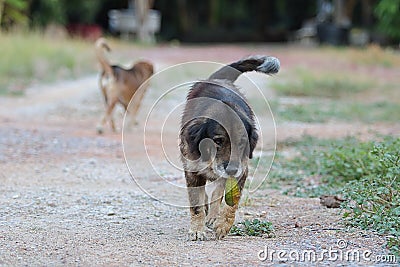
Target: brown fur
[119,85]
[217,137]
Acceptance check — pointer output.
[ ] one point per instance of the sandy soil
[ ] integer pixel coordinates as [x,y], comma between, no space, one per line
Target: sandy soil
[67,198]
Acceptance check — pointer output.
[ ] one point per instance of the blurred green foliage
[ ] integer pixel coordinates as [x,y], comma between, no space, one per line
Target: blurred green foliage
[13,12]
[218,20]
[388,15]
[44,12]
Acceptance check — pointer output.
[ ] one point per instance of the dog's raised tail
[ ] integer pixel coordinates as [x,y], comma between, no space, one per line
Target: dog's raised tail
[264,64]
[100,46]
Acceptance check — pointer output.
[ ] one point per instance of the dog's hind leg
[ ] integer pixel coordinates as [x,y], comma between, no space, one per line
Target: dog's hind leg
[107,117]
[102,86]
[112,123]
[136,103]
[197,200]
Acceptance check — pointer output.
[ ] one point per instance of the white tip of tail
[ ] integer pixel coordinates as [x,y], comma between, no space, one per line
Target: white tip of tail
[271,65]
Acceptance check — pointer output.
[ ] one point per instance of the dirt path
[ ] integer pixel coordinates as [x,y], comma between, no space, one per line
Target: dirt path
[67,198]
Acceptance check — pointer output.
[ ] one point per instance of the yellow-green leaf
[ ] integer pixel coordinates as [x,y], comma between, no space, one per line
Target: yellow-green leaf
[232,192]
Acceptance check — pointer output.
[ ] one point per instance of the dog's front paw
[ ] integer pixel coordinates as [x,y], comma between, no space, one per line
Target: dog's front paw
[196,235]
[222,228]
[225,221]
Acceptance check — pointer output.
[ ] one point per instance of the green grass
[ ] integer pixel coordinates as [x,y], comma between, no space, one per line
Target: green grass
[290,173]
[369,56]
[340,111]
[32,56]
[374,198]
[255,227]
[333,163]
[373,55]
[366,174]
[394,245]
[306,83]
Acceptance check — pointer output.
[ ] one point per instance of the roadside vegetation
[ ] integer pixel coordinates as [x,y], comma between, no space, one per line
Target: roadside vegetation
[346,111]
[365,174]
[253,227]
[304,82]
[34,57]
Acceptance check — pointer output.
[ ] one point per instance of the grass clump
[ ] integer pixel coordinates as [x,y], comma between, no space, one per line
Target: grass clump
[374,55]
[366,174]
[394,245]
[255,227]
[329,85]
[374,199]
[307,172]
[333,164]
[32,56]
[318,113]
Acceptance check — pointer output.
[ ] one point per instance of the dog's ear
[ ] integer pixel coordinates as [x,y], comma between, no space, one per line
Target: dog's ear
[253,138]
[194,134]
[251,135]
[198,140]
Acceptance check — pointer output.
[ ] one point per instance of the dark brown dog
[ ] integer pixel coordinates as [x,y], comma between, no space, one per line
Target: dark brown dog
[118,85]
[217,138]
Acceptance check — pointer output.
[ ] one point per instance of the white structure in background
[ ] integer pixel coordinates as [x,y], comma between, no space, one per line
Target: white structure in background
[138,19]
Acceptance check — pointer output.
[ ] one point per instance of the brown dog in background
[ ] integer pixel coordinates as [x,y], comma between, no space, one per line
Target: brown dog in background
[118,85]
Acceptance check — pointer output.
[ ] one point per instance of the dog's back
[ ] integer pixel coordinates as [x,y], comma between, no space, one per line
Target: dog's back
[220,84]
[130,80]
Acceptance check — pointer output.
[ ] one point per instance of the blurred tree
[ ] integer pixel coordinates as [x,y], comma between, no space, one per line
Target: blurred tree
[185,19]
[79,11]
[388,15]
[214,18]
[44,12]
[13,12]
[232,20]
